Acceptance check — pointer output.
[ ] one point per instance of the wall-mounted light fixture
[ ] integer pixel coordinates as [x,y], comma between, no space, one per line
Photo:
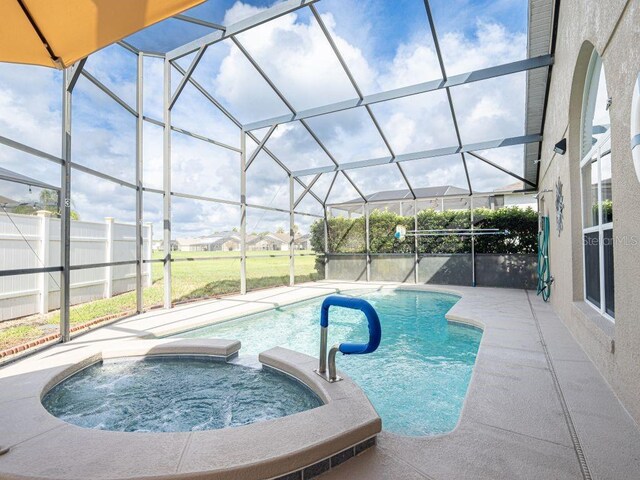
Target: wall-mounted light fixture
[561,147]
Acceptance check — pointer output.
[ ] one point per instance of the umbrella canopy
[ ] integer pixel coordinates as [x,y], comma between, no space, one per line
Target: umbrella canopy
[57,33]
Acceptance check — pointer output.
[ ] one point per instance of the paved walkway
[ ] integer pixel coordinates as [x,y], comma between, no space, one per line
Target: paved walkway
[536,407]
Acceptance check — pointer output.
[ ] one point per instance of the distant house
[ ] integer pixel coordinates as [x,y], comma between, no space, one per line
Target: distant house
[521,201]
[7,201]
[158,245]
[444,197]
[268,241]
[230,242]
[303,242]
[216,242]
[188,244]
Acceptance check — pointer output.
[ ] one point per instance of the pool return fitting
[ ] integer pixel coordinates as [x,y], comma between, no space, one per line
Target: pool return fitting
[375,334]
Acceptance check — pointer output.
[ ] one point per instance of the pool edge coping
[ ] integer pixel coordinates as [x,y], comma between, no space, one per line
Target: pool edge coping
[341,439]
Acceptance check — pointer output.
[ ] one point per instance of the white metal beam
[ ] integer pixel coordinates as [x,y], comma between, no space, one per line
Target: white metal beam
[260,146]
[65,206]
[197,21]
[160,123]
[236,122]
[109,92]
[243,213]
[76,70]
[453,81]
[306,190]
[406,157]
[284,100]
[292,238]
[502,169]
[352,79]
[129,47]
[271,13]
[443,70]
[187,75]
[139,180]
[30,150]
[166,184]
[326,198]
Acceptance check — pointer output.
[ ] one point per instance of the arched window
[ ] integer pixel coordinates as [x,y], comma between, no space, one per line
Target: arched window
[597,205]
[635,127]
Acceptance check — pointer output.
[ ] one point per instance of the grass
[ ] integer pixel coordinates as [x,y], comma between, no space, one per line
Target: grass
[190,280]
[18,335]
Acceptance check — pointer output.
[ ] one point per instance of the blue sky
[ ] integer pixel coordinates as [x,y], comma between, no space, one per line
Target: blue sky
[387,44]
[390,21]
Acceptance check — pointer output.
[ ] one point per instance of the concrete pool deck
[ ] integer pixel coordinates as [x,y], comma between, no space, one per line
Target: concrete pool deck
[536,406]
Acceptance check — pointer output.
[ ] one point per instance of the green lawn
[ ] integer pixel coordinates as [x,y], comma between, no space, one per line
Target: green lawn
[190,280]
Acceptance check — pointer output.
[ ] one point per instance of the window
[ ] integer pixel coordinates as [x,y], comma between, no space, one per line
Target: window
[635,126]
[597,204]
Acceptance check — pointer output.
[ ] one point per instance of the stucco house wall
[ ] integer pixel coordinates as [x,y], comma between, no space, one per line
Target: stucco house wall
[612,27]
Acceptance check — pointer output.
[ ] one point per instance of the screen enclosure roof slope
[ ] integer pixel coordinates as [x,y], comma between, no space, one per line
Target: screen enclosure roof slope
[417,128]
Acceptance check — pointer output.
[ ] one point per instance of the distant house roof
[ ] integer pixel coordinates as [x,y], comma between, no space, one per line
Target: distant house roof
[274,237]
[213,239]
[283,237]
[223,237]
[302,239]
[421,193]
[6,200]
[511,187]
[405,194]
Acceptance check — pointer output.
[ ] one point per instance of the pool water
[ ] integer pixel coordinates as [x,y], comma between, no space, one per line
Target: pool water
[175,394]
[417,379]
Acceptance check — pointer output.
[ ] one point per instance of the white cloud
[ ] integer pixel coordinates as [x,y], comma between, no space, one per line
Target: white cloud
[299,60]
[204,169]
[447,170]
[30,106]
[116,68]
[491,109]
[413,63]
[240,11]
[294,53]
[492,44]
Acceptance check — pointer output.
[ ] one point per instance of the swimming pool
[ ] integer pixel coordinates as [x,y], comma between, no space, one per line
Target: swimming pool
[175,394]
[417,379]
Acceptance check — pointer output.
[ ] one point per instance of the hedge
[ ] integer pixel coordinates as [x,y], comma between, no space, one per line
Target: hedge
[348,235]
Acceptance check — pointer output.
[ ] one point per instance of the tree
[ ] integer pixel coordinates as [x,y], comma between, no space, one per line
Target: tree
[48,200]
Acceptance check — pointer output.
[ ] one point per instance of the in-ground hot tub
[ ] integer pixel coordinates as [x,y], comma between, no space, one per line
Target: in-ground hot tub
[175,393]
[299,444]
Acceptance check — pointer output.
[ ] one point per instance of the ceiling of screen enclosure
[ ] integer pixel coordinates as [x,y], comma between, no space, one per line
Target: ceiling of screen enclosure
[342,57]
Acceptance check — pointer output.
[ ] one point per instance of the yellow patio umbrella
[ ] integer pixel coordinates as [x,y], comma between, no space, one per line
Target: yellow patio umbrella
[57,33]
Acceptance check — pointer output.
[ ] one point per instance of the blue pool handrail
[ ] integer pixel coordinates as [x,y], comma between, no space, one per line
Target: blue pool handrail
[375,332]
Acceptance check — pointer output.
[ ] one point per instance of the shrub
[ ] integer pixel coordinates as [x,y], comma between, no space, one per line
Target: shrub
[348,235]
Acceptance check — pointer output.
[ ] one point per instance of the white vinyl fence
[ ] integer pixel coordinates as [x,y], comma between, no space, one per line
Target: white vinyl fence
[34,241]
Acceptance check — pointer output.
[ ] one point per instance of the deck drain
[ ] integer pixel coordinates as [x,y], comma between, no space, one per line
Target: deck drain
[575,439]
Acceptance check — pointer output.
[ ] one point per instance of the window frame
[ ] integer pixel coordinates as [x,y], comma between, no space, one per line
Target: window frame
[635,127]
[599,150]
